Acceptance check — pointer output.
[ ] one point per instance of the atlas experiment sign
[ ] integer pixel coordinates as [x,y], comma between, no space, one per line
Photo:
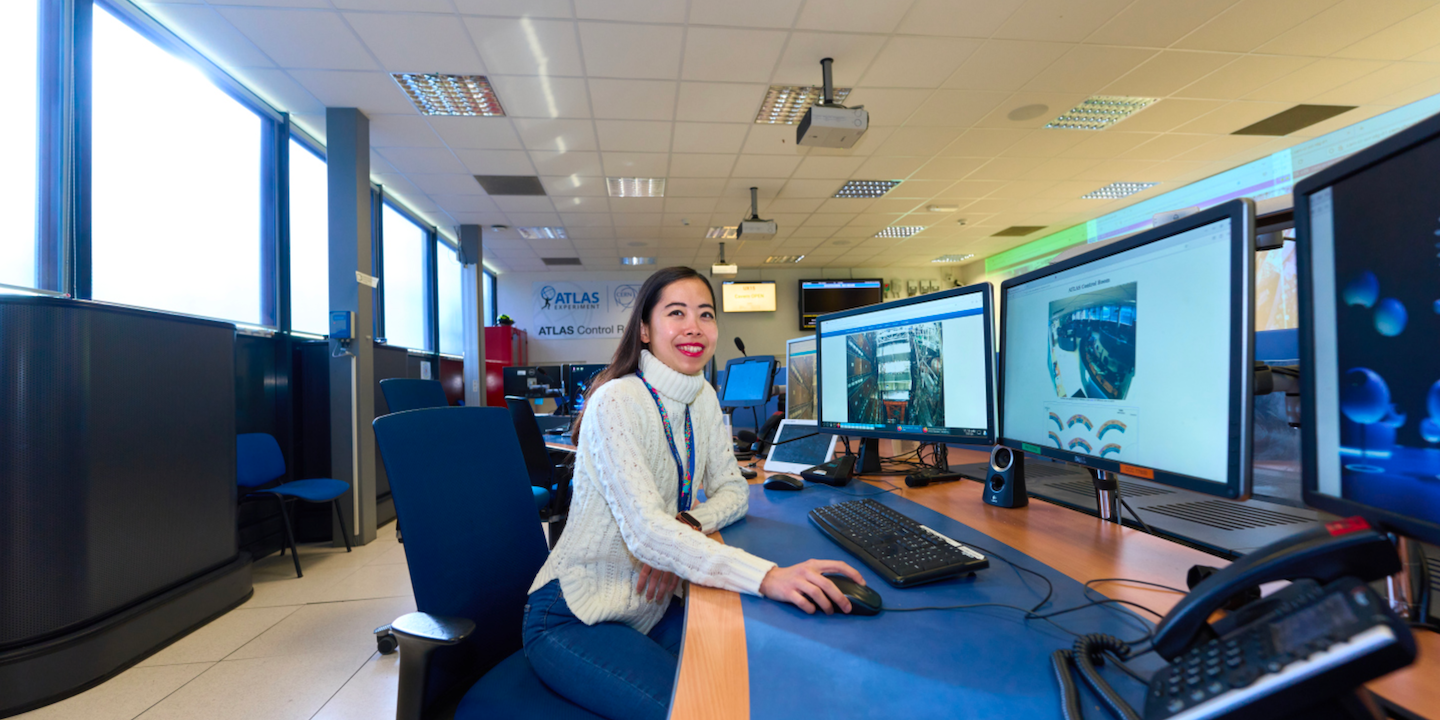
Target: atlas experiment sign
[575,310]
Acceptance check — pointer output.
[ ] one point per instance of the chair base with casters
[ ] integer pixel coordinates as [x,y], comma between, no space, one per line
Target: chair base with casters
[260,462]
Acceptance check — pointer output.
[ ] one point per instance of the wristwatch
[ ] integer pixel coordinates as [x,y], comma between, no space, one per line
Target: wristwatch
[688,519]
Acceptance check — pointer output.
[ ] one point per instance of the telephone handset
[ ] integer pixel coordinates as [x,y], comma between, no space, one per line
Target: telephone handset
[1344,548]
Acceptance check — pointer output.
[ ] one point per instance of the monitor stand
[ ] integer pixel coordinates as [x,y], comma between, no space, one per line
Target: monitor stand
[868,461]
[1107,494]
[1409,590]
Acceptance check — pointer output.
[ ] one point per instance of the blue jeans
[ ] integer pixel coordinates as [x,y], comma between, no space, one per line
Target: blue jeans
[607,668]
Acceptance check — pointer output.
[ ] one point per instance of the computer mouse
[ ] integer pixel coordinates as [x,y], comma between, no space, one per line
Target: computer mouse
[777,481]
[863,600]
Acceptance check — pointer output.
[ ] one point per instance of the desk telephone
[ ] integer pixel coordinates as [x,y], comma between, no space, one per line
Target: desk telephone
[1300,652]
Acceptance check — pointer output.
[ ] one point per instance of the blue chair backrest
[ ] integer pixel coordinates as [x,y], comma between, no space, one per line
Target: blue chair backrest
[532,443]
[258,459]
[471,536]
[403,394]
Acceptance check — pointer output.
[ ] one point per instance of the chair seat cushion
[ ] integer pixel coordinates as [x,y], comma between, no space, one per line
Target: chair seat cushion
[513,690]
[316,490]
[542,497]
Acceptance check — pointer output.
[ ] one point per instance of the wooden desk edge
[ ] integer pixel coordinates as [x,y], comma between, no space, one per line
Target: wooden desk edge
[713,682]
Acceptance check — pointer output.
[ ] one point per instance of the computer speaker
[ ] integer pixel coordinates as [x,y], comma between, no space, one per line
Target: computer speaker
[1005,481]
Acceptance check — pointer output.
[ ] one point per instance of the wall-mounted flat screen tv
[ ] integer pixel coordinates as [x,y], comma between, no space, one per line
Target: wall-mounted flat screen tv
[818,297]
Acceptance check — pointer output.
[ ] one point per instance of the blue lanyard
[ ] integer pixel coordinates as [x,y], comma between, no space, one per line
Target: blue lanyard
[687,473]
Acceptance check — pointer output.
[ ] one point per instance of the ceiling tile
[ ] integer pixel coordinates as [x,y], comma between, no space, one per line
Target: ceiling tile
[1232,117]
[984,142]
[719,102]
[633,99]
[1164,74]
[465,203]
[213,35]
[1246,74]
[515,8]
[1382,83]
[1006,168]
[706,188]
[649,11]
[1222,147]
[1318,77]
[689,205]
[800,188]
[731,55]
[635,164]
[1117,171]
[526,46]
[378,165]
[1399,41]
[709,137]
[556,135]
[1046,106]
[1085,69]
[586,220]
[837,168]
[579,164]
[445,184]
[956,108]
[523,204]
[1106,144]
[946,17]
[889,168]
[1059,20]
[1059,168]
[475,133]
[852,15]
[766,166]
[633,135]
[301,38]
[744,13]
[422,160]
[918,62]
[1167,115]
[401,131]
[1342,25]
[412,42]
[1165,147]
[1249,23]
[1157,23]
[887,106]
[1045,143]
[529,96]
[574,186]
[496,162]
[691,165]
[1005,65]
[923,141]
[280,90]
[800,65]
[947,168]
[375,93]
[631,51]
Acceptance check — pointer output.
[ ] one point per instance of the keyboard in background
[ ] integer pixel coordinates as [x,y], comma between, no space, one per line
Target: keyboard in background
[904,552]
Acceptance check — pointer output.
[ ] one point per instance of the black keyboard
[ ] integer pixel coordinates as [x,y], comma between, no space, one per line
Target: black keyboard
[902,550]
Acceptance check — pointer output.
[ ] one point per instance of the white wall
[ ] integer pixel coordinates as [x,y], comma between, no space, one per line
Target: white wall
[764,333]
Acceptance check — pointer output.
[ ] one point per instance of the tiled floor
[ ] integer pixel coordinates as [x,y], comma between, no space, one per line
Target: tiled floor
[298,649]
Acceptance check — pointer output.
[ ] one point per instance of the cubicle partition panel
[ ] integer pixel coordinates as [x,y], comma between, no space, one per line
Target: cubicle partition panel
[117,489]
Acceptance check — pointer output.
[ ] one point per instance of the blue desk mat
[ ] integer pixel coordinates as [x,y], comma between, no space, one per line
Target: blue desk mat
[976,663]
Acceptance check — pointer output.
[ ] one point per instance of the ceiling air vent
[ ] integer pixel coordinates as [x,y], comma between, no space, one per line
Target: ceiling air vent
[511,184]
[553,262]
[1296,118]
[1019,230]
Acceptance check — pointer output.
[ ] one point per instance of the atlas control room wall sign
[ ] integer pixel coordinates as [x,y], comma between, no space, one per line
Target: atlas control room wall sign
[577,310]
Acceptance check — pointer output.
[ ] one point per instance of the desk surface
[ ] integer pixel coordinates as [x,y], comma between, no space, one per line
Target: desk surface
[714,671]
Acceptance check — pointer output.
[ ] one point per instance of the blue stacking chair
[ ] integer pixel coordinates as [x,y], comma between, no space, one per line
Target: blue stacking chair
[473,548]
[545,476]
[403,394]
[260,462]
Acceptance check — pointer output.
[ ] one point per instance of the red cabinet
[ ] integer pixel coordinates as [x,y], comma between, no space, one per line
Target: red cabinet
[505,346]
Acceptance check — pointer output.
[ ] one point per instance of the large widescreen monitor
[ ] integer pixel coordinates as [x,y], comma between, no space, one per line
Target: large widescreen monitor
[913,369]
[1370,333]
[800,356]
[1137,357]
[818,297]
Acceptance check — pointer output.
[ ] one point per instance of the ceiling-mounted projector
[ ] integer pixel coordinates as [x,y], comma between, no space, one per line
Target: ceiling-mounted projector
[753,228]
[829,125]
[721,267]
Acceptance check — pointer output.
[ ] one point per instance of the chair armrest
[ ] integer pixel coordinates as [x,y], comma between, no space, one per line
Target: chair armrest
[420,634]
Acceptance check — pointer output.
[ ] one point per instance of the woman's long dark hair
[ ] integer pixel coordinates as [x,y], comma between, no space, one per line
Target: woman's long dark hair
[627,356]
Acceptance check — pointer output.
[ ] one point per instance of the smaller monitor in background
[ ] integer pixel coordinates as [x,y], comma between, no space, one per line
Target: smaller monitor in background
[577,382]
[818,297]
[738,297]
[800,378]
[530,380]
[799,446]
[747,381]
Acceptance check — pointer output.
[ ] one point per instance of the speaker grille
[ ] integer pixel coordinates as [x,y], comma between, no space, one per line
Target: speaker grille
[1127,489]
[1226,515]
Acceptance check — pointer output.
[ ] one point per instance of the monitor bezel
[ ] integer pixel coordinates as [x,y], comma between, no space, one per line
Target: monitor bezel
[800,288]
[788,344]
[769,384]
[986,291]
[569,382]
[1239,474]
[774,291]
[1397,144]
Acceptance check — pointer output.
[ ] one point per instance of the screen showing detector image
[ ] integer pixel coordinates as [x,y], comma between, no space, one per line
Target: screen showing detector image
[747,296]
[800,379]
[1127,358]
[915,369]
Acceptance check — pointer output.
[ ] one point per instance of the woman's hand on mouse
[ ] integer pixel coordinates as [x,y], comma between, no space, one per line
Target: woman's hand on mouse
[806,586]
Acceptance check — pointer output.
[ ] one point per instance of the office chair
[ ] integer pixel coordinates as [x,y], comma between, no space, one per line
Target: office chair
[403,394]
[259,461]
[473,551]
[544,473]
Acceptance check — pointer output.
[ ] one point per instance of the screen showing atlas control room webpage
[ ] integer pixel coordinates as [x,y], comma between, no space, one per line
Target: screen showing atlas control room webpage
[916,368]
[1127,358]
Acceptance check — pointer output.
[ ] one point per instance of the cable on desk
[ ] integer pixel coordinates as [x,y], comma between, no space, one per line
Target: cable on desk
[1088,583]
[1135,515]
[1088,652]
[1069,694]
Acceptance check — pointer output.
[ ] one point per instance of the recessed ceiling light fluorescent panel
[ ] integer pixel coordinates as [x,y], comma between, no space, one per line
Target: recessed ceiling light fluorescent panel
[1100,112]
[898,231]
[865,188]
[637,261]
[542,233]
[953,258]
[722,233]
[635,187]
[1115,191]
[787,104]
[782,259]
[463,95]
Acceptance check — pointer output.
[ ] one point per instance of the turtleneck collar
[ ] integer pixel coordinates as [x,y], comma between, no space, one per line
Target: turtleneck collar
[668,381]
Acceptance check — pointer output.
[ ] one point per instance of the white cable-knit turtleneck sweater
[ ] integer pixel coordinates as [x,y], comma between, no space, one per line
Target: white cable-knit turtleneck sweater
[622,512]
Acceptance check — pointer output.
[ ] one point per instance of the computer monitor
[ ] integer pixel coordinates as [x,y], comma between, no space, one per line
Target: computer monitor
[751,296]
[577,382]
[913,369]
[531,380]
[800,356]
[820,296]
[748,381]
[1165,397]
[1370,334]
